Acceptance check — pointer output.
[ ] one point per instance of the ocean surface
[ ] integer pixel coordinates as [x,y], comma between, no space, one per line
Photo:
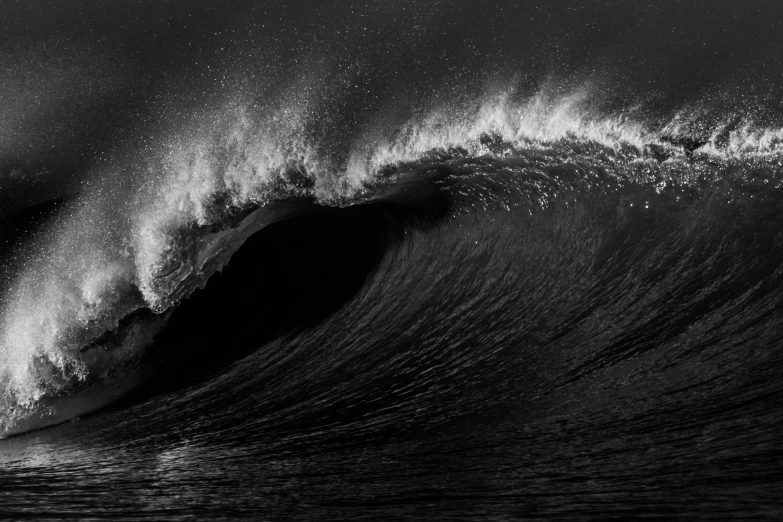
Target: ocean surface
[391,260]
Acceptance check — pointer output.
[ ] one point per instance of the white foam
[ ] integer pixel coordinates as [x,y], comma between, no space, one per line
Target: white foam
[547,118]
[535,122]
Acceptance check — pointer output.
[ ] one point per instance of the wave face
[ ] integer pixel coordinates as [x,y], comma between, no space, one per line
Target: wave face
[365,260]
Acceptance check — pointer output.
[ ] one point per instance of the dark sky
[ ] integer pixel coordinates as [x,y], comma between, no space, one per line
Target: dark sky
[82,80]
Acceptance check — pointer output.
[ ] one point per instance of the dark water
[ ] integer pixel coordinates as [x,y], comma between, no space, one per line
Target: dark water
[372,261]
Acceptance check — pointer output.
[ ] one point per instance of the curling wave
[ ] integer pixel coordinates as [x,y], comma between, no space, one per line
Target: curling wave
[147,241]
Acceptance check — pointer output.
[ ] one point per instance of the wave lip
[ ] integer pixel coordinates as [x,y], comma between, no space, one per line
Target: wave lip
[194,255]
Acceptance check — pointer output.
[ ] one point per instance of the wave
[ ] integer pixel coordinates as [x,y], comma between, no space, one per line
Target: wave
[344,260]
[162,221]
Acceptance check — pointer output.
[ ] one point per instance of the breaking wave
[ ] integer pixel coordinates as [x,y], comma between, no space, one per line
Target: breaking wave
[169,217]
[348,260]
